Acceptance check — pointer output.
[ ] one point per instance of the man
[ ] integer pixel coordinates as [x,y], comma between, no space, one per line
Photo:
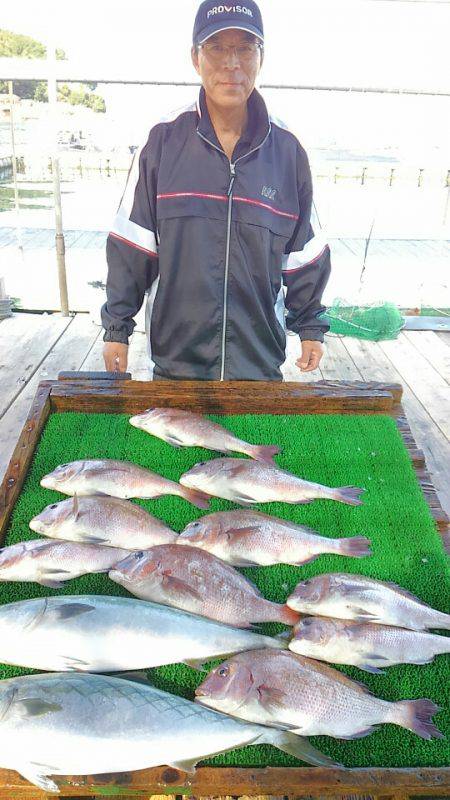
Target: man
[214,219]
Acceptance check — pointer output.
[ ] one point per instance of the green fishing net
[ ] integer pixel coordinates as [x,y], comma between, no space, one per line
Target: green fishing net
[374,322]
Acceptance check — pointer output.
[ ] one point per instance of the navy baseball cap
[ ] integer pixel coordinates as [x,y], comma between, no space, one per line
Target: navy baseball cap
[213,17]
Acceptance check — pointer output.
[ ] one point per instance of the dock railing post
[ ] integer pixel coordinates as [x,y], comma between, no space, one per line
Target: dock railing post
[59,237]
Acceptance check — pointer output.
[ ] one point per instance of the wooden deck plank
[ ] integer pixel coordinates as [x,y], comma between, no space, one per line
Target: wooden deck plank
[374,365]
[25,341]
[426,382]
[67,354]
[436,352]
[444,336]
[337,363]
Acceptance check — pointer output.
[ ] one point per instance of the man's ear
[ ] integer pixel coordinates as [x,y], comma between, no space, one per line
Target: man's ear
[194,57]
[261,57]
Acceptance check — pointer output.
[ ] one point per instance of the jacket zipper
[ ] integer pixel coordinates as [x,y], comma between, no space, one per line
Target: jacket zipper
[228,240]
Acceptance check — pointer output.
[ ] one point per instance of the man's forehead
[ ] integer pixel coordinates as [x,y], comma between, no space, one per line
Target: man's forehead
[232,35]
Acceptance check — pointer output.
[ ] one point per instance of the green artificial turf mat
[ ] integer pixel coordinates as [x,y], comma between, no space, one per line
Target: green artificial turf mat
[336,450]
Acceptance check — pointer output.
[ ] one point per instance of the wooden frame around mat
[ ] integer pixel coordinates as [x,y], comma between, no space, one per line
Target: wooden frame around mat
[112,393]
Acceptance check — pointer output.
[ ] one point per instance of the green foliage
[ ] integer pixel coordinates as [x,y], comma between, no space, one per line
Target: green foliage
[20,46]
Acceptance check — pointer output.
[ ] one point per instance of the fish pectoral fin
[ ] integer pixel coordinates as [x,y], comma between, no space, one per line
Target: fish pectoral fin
[239,534]
[69,610]
[360,734]
[244,499]
[72,664]
[50,584]
[173,440]
[87,538]
[362,615]
[372,669]
[270,697]
[56,571]
[188,765]
[137,676]
[182,588]
[28,707]
[34,773]
[196,663]
[296,746]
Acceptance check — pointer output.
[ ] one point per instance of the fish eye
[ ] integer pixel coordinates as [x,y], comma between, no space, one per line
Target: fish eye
[223,672]
[53,505]
[201,464]
[139,554]
[195,524]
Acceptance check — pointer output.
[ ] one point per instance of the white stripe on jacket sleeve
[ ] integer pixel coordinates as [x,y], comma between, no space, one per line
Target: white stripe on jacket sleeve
[126,230]
[310,253]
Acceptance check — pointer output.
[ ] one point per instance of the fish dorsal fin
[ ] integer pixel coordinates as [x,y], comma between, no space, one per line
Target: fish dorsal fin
[44,546]
[336,675]
[405,593]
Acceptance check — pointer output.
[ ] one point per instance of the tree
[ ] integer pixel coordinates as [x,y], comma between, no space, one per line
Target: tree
[19,45]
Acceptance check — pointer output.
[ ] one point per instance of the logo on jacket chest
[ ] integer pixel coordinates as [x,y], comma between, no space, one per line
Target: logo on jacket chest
[268,192]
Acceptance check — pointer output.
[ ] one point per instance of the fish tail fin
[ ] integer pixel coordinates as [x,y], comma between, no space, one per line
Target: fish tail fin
[415,716]
[347,494]
[441,644]
[264,452]
[297,746]
[356,546]
[287,615]
[197,498]
[442,621]
[280,641]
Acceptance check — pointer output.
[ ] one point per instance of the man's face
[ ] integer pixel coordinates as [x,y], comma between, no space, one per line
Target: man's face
[228,64]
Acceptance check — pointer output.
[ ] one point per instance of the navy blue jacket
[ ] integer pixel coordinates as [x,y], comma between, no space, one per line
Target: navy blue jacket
[215,241]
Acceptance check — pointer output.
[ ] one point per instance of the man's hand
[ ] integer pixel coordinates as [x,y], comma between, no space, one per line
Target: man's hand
[312,352]
[115,355]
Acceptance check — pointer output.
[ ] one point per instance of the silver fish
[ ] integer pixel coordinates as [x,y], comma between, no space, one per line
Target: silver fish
[50,563]
[196,581]
[309,698]
[102,520]
[118,479]
[112,634]
[69,724]
[361,644]
[186,429]
[365,600]
[248,482]
[249,538]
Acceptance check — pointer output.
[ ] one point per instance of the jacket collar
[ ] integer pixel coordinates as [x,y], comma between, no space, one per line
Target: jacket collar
[258,125]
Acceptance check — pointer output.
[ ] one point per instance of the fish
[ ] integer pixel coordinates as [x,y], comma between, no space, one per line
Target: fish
[247,482]
[117,479]
[246,538]
[306,697]
[95,633]
[70,724]
[364,600]
[51,563]
[361,644]
[97,519]
[182,428]
[196,581]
